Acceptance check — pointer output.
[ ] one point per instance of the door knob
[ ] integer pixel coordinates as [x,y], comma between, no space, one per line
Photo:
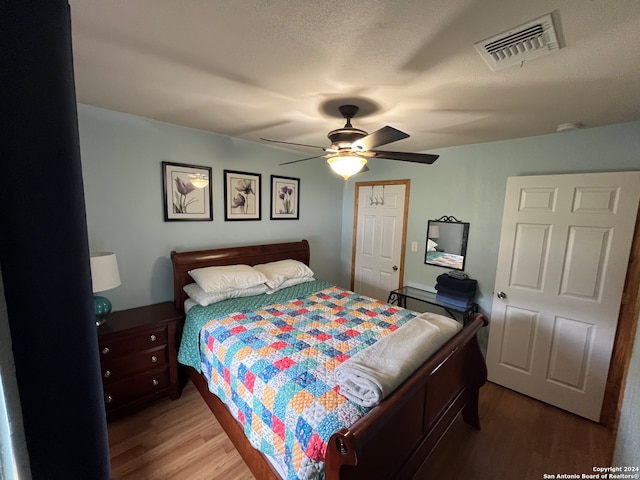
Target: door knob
[394,268]
[501,295]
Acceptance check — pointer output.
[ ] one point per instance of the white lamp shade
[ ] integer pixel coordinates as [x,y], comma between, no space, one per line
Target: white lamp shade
[104,271]
[434,231]
[347,165]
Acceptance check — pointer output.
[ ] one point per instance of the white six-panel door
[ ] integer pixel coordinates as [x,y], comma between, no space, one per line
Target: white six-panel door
[563,258]
[379,239]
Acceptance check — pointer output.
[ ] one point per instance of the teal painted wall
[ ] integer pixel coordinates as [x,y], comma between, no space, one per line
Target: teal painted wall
[121,157]
[469,183]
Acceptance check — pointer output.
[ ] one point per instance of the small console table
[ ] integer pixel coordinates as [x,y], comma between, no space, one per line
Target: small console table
[400,295]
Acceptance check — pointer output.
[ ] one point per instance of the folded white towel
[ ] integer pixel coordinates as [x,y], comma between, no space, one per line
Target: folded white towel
[373,373]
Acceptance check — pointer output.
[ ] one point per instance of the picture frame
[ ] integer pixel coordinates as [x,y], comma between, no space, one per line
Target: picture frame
[285,198]
[183,200]
[242,193]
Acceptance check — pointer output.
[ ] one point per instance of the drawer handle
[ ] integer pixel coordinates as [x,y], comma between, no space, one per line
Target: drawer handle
[155,382]
[109,399]
[105,350]
[107,374]
[154,359]
[153,338]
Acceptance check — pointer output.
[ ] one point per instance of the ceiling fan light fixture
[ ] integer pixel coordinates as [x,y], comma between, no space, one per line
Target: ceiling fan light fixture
[198,180]
[350,147]
[347,165]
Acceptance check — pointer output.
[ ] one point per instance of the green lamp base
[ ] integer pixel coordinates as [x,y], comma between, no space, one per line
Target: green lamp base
[102,308]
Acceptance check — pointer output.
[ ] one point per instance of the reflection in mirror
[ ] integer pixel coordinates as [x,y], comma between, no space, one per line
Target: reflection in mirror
[447,243]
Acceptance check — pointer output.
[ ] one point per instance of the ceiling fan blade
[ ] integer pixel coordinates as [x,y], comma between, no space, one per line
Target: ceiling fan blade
[403,156]
[291,143]
[301,160]
[379,137]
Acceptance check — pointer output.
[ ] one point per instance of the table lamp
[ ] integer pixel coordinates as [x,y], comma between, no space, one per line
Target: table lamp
[104,276]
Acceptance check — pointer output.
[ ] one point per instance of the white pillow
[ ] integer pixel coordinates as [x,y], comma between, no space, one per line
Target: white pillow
[282,270]
[290,283]
[431,245]
[203,298]
[189,304]
[228,277]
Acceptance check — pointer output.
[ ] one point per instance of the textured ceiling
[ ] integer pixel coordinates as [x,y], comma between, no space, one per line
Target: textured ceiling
[279,68]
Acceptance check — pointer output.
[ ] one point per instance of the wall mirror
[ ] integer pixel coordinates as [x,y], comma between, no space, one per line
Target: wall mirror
[447,243]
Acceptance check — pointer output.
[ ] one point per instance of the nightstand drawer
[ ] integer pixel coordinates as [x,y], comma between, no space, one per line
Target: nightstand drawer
[121,393]
[116,369]
[117,346]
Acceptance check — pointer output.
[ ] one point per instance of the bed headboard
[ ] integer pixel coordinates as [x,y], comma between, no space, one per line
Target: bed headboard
[248,255]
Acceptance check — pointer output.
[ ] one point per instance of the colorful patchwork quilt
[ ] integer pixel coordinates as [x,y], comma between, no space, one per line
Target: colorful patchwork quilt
[273,367]
[448,260]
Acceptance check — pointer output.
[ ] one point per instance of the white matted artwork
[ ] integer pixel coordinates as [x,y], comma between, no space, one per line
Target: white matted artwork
[285,198]
[242,192]
[186,192]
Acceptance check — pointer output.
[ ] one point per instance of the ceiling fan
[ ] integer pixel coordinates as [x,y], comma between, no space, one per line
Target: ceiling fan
[351,147]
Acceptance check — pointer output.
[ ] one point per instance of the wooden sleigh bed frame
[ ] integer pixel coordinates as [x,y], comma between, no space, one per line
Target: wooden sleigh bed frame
[395,438]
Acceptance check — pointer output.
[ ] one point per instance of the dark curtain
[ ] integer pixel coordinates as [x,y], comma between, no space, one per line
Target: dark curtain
[44,252]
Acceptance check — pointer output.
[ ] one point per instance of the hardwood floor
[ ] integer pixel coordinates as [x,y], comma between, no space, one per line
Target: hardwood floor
[174,440]
[520,438]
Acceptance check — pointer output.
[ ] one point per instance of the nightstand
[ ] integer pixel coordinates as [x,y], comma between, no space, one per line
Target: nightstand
[138,357]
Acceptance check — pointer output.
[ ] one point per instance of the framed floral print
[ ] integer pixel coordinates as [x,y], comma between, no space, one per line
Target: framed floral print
[242,192]
[285,198]
[186,192]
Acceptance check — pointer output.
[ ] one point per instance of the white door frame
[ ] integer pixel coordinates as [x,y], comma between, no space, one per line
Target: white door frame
[406,183]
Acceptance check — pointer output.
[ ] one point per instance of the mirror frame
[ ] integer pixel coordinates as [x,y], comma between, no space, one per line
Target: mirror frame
[463,246]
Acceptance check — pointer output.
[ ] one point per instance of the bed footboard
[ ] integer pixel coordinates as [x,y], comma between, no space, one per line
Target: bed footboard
[395,438]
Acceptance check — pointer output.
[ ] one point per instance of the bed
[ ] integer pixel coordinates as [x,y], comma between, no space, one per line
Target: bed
[392,439]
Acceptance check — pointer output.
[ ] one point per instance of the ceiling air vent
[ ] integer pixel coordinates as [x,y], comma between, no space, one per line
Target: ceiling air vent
[525,42]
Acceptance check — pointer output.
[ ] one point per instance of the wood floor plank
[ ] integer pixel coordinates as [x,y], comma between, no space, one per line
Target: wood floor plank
[177,440]
[520,438]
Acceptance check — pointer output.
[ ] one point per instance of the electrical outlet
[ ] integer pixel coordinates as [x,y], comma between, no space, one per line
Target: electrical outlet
[414,246]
